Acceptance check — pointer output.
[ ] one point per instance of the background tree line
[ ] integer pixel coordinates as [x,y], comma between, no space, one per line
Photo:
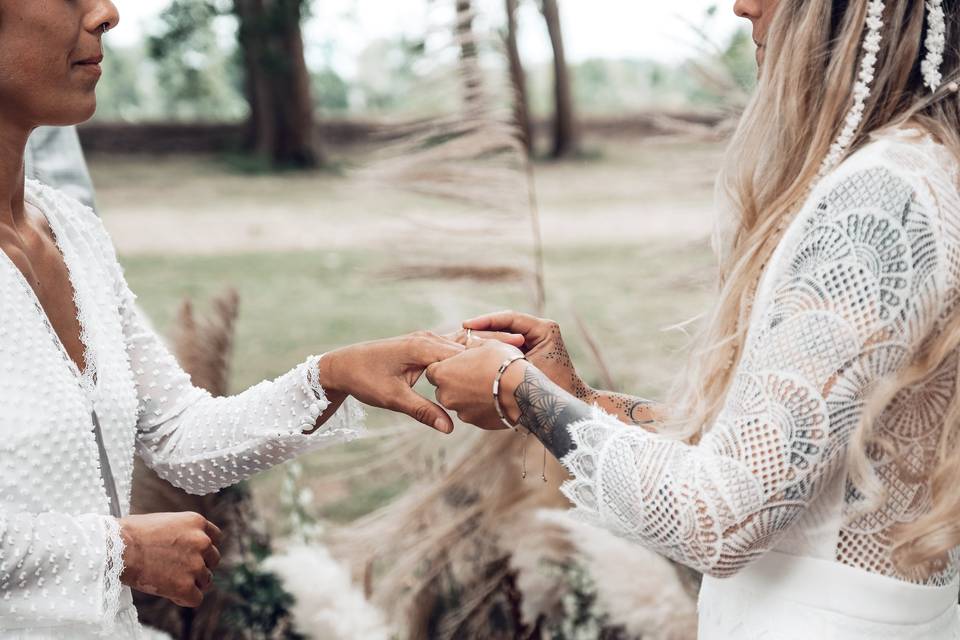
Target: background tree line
[189,71]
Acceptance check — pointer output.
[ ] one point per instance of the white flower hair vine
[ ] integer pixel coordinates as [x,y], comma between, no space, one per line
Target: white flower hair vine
[861,90]
[936,44]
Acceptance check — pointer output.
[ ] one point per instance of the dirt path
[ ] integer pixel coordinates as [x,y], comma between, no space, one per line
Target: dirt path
[639,192]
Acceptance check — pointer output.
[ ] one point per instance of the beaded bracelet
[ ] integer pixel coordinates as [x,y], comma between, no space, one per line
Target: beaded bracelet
[496,388]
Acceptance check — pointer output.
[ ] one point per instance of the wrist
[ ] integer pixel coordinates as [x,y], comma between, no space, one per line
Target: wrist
[131,553]
[329,377]
[511,379]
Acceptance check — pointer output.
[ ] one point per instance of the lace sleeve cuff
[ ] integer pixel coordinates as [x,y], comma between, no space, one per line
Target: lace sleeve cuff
[590,437]
[345,425]
[112,570]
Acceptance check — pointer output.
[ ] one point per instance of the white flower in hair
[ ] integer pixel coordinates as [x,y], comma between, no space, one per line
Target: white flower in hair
[861,90]
[936,43]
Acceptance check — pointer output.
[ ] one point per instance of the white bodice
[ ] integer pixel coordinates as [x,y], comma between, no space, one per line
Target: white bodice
[867,271]
[60,550]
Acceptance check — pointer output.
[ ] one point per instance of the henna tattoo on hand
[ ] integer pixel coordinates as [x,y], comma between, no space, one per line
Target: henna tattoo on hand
[559,357]
[635,410]
[546,411]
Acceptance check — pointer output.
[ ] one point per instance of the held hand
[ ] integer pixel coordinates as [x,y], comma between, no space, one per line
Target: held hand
[171,555]
[382,373]
[543,345]
[465,383]
[463,337]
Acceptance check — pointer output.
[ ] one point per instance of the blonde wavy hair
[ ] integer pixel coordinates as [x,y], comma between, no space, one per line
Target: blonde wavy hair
[805,92]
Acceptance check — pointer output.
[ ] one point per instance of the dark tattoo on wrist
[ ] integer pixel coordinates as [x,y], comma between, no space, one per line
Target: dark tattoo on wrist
[546,411]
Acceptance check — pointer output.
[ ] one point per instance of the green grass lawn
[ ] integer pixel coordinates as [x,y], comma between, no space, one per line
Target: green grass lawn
[298,303]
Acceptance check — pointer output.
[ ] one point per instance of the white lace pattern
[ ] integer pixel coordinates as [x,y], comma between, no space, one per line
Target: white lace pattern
[867,272]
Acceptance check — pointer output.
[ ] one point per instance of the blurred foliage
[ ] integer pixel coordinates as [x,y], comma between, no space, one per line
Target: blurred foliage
[202,78]
[259,605]
[190,69]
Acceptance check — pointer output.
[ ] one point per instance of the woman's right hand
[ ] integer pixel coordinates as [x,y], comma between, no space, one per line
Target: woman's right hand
[382,373]
[171,555]
[543,346]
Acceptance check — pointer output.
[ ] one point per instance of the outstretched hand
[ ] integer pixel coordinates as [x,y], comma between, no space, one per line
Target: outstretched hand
[382,374]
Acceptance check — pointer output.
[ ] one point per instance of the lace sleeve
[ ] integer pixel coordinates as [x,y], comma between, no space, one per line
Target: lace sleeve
[201,443]
[853,287]
[57,568]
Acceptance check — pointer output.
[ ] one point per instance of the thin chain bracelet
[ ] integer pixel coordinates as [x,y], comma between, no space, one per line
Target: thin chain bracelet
[503,418]
[496,388]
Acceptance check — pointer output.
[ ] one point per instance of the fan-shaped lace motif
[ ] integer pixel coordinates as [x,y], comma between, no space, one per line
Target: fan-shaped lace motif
[866,273]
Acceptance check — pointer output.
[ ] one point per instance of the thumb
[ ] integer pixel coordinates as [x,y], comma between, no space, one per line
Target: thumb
[422,410]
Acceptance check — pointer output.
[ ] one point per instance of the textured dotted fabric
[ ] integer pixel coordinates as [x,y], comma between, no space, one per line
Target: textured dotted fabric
[867,272]
[60,550]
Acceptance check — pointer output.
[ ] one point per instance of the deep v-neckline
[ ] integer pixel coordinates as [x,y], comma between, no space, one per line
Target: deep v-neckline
[87,377]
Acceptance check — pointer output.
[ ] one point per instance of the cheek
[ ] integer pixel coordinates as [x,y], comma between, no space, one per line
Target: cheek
[38,84]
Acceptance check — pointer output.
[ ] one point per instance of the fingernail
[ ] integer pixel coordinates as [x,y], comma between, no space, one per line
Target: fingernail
[441,426]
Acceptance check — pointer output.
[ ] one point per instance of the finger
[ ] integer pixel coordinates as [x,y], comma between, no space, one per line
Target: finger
[193,599]
[513,339]
[432,372]
[433,350]
[211,557]
[422,410]
[213,532]
[205,581]
[509,321]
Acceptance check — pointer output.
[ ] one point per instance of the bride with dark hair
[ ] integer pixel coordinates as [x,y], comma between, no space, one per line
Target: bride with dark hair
[85,383]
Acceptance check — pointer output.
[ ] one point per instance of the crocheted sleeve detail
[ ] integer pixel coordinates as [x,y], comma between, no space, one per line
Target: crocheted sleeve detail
[855,285]
[202,443]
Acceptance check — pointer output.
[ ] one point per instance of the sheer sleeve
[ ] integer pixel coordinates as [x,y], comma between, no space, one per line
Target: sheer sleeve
[854,286]
[201,443]
[59,569]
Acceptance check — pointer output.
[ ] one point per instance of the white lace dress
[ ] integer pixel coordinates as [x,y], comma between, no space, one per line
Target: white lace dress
[763,506]
[67,439]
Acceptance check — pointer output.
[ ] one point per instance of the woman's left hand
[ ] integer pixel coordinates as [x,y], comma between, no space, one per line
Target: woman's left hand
[465,383]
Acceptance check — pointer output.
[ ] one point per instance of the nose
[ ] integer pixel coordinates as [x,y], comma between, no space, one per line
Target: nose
[749,9]
[103,16]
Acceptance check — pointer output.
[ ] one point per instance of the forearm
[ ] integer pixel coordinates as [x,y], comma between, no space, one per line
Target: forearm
[546,410]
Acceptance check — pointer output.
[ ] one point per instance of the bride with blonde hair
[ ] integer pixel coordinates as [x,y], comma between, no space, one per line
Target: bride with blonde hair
[807,462]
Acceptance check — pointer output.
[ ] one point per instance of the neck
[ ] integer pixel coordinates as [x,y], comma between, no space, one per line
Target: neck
[13,143]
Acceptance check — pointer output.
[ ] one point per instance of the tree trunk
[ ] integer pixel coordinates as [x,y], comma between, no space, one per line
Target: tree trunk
[281,127]
[565,133]
[469,60]
[518,77]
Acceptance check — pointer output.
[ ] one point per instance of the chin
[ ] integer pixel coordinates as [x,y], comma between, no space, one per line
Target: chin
[79,111]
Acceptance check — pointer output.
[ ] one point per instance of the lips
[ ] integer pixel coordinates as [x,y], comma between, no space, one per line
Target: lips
[91,61]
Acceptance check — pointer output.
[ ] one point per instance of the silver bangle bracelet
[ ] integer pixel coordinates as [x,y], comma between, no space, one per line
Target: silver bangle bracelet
[496,388]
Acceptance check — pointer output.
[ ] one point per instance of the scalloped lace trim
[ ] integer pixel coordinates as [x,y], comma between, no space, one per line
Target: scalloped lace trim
[346,424]
[48,202]
[590,435]
[113,568]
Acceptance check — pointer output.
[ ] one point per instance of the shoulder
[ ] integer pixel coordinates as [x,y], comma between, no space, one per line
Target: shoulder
[899,171]
[72,213]
[901,184]
[884,226]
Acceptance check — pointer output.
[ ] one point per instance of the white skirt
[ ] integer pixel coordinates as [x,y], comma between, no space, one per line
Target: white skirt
[784,597]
